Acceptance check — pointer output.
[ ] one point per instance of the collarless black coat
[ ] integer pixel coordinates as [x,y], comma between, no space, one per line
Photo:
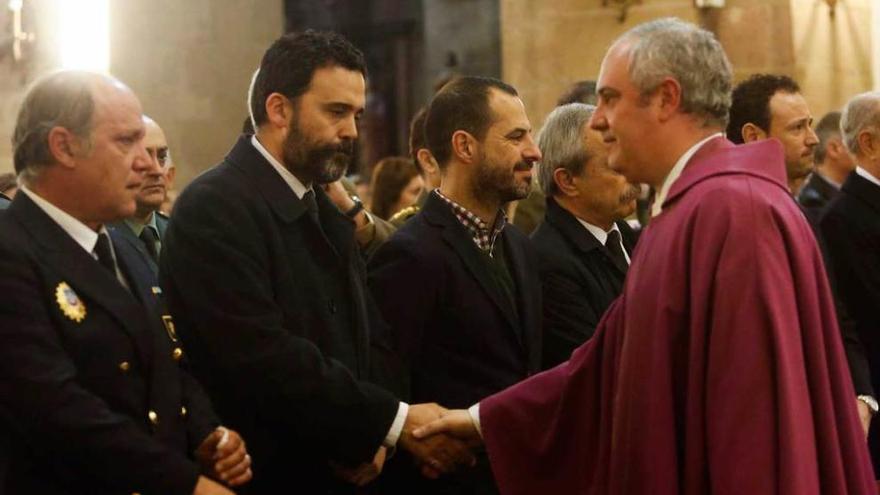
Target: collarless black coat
[75,396]
[277,321]
[579,279]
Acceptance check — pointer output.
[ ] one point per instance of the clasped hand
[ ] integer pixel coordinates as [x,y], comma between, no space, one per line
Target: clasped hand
[223,456]
[438,453]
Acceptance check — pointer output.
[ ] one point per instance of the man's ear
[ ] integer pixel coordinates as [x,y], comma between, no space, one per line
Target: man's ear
[427,161]
[565,182]
[278,110]
[464,146]
[64,146]
[752,133]
[868,144]
[669,93]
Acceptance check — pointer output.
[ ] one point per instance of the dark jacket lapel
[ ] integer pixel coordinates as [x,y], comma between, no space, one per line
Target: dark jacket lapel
[438,213]
[577,234]
[76,267]
[123,234]
[863,189]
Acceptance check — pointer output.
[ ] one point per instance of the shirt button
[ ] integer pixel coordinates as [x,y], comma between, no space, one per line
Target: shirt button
[182,411]
[177,353]
[154,417]
[124,366]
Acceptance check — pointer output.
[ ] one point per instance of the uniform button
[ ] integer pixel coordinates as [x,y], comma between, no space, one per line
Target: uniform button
[332,306]
[154,418]
[177,353]
[182,411]
[124,366]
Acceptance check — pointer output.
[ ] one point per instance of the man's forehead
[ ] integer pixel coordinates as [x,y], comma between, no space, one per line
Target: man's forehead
[155,137]
[508,110]
[338,84]
[789,106]
[614,66]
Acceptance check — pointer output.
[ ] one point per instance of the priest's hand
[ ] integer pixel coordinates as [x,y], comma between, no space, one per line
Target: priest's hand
[864,415]
[456,423]
[365,473]
[223,456]
[439,454]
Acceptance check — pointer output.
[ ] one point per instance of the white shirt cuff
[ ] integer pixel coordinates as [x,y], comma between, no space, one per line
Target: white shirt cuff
[474,411]
[396,426]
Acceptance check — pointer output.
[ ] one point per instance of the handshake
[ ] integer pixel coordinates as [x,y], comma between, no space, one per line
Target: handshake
[440,441]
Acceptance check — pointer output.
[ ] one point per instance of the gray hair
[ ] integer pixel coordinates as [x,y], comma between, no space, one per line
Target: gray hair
[862,113]
[62,99]
[561,140]
[674,48]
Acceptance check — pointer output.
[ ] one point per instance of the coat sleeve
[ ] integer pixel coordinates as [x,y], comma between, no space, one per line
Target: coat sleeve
[216,270]
[64,422]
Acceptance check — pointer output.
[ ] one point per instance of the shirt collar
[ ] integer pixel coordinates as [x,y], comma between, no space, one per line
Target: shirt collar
[599,233]
[675,173]
[80,232]
[867,175]
[295,185]
[483,236]
[138,227]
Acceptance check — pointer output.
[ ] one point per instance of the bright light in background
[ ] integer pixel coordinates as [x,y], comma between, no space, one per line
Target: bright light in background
[84,34]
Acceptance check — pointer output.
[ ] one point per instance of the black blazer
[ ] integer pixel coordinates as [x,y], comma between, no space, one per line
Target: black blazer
[579,280]
[277,320]
[77,387]
[815,195]
[460,339]
[850,227]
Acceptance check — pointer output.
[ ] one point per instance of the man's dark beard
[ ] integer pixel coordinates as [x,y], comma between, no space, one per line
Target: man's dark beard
[313,162]
[499,183]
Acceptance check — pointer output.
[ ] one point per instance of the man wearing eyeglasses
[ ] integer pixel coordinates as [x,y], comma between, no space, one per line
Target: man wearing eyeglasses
[146,228]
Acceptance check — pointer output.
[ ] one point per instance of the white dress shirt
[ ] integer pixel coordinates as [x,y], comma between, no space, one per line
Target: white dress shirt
[602,236]
[78,231]
[300,190]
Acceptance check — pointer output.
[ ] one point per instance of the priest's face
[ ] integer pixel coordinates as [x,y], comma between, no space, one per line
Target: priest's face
[323,125]
[626,121]
[791,123]
[507,152]
[603,194]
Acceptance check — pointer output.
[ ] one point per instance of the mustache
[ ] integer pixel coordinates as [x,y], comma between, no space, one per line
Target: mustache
[522,166]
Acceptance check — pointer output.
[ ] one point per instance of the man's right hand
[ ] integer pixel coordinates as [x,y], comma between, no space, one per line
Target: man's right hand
[206,486]
[440,454]
[456,423]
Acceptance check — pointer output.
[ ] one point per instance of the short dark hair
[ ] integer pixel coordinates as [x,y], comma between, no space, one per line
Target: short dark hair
[751,102]
[461,105]
[417,137]
[579,92]
[289,64]
[827,128]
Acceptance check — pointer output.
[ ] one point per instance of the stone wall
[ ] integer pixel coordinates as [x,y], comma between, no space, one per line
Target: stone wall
[546,46]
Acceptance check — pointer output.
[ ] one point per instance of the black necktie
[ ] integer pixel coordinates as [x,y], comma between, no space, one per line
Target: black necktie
[150,240]
[105,254]
[612,243]
[311,205]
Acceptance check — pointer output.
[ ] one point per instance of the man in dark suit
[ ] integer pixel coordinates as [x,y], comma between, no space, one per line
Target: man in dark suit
[833,164]
[851,230]
[584,244]
[92,396]
[145,229]
[265,279]
[457,284]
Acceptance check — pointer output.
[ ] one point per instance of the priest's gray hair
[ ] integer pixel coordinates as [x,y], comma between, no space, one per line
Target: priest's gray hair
[561,140]
[62,99]
[692,56]
[862,113]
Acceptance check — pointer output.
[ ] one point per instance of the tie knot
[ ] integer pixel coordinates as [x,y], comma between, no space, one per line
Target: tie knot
[613,238]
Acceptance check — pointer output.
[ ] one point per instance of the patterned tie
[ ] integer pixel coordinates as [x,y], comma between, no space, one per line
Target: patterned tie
[151,241]
[105,254]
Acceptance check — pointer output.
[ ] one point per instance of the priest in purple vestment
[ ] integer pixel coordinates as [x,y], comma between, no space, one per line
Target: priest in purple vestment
[720,369]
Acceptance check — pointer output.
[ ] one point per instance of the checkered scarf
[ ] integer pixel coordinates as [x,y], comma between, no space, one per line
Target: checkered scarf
[483,236]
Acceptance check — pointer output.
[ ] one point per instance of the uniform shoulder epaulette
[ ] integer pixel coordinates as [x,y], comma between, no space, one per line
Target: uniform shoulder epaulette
[403,215]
